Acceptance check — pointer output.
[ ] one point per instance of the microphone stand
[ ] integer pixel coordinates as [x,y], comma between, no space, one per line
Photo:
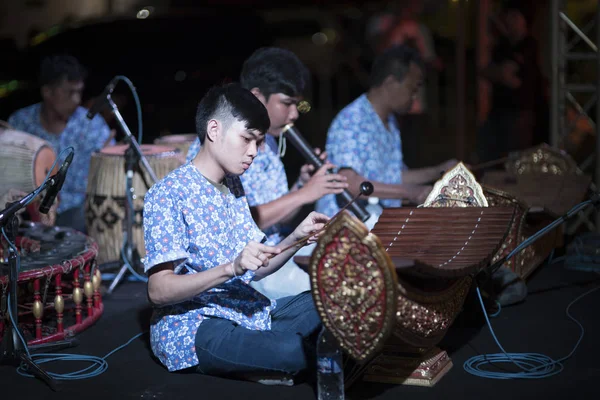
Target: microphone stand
[486,273]
[133,157]
[13,351]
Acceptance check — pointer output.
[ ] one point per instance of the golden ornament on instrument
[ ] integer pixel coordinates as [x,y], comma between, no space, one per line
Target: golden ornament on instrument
[38,309]
[303,107]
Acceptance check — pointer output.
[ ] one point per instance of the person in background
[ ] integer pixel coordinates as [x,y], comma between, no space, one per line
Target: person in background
[364,139]
[60,120]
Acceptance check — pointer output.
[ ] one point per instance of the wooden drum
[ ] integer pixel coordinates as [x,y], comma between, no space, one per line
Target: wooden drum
[180,141]
[25,161]
[105,200]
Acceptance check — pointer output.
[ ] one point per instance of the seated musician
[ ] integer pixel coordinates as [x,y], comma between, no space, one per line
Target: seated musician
[203,249]
[278,78]
[60,120]
[364,138]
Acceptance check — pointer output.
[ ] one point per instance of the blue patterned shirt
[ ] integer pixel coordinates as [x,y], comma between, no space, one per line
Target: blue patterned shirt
[263,182]
[189,221]
[358,139]
[84,135]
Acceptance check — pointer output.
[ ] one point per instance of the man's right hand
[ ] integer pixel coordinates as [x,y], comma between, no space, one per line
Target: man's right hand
[417,194]
[323,183]
[254,256]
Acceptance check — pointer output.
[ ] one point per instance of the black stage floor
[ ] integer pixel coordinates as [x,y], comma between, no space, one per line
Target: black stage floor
[539,325]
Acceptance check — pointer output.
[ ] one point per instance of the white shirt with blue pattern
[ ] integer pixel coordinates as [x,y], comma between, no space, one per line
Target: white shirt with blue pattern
[358,139]
[189,221]
[84,135]
[264,182]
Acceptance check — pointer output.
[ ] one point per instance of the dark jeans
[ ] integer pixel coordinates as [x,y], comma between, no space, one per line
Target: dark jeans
[72,218]
[227,349]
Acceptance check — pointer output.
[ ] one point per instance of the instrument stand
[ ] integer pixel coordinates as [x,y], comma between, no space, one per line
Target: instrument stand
[12,350]
[133,158]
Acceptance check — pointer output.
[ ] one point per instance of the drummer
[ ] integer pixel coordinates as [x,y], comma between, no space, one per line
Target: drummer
[60,120]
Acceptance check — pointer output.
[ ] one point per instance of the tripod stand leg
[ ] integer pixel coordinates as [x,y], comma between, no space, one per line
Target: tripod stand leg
[38,372]
[115,281]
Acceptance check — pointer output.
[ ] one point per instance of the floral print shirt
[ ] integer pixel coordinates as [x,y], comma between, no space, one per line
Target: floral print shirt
[84,135]
[187,220]
[358,139]
[263,182]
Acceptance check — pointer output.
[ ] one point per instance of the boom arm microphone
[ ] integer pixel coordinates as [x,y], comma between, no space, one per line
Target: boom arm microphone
[303,147]
[100,102]
[57,182]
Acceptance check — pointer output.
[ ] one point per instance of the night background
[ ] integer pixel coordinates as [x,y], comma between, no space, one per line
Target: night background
[174,50]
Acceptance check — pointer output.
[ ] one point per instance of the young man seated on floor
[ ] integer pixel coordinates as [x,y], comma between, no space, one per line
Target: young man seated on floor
[203,249]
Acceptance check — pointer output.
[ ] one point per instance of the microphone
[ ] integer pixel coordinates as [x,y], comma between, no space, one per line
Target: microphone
[100,101]
[57,182]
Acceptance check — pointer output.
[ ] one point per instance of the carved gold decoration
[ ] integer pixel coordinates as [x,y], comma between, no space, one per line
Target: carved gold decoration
[354,287]
[96,281]
[457,188]
[542,159]
[423,318]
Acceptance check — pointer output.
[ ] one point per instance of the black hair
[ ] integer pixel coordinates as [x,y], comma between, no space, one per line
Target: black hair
[275,70]
[231,102]
[394,61]
[54,69]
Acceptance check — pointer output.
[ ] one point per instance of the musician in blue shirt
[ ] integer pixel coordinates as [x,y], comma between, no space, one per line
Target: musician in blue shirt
[60,120]
[203,249]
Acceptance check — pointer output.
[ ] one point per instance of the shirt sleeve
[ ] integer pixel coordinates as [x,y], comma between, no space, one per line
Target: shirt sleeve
[101,131]
[165,234]
[344,147]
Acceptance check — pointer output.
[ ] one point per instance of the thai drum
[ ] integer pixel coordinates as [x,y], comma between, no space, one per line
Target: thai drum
[58,288]
[105,197]
[389,296]
[25,160]
[179,141]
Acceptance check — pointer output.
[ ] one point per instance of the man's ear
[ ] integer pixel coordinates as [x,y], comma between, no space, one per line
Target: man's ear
[213,130]
[256,91]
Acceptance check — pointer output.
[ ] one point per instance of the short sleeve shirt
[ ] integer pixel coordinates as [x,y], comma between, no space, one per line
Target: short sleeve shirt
[358,139]
[187,220]
[84,135]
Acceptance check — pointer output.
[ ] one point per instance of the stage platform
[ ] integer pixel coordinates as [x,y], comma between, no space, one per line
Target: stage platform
[538,325]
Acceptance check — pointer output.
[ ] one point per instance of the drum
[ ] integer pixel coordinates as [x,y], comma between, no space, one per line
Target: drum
[24,163]
[105,200]
[181,142]
[58,292]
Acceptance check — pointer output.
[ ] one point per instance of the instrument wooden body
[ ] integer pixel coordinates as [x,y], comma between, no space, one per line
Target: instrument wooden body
[389,296]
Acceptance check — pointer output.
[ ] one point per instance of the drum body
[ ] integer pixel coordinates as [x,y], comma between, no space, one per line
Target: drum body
[105,201]
[58,292]
[179,141]
[25,160]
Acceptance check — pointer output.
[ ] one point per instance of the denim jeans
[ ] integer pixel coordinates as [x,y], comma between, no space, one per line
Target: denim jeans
[72,218]
[227,349]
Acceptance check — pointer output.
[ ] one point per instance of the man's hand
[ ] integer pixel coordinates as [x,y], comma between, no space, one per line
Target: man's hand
[253,256]
[313,223]
[323,183]
[307,170]
[417,194]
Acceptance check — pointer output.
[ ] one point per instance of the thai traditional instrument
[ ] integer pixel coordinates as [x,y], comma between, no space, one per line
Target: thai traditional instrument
[389,296]
[304,148]
[58,284]
[25,161]
[105,201]
[543,183]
